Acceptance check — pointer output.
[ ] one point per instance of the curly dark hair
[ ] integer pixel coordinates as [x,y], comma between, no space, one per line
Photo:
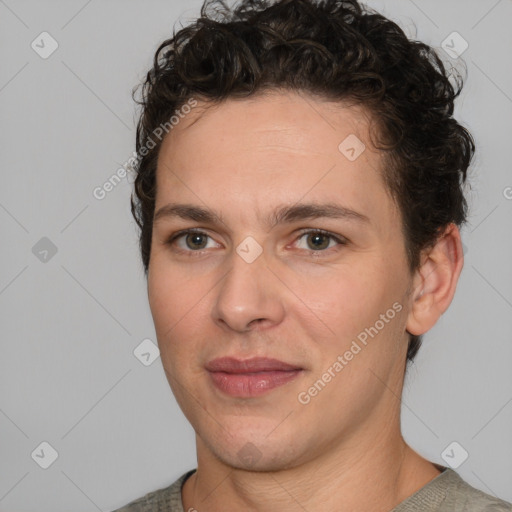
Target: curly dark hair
[337,50]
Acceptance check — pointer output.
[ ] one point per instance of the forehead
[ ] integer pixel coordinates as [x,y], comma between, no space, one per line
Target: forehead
[274,148]
[273,116]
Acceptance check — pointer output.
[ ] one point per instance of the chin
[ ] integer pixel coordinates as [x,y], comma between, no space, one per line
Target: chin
[255,453]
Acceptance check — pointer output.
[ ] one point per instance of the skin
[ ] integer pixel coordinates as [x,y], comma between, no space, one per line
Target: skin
[291,303]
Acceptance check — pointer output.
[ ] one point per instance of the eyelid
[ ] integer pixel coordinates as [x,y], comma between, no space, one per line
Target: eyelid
[178,234]
[339,238]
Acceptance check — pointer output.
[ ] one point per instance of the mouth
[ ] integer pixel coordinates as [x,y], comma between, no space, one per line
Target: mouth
[250,377]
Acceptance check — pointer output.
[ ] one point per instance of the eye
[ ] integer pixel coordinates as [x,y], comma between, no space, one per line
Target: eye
[193,240]
[319,240]
[196,241]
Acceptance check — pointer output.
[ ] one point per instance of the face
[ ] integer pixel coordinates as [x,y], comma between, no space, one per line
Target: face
[265,275]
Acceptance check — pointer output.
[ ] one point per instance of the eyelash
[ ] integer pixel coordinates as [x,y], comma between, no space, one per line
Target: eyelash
[340,240]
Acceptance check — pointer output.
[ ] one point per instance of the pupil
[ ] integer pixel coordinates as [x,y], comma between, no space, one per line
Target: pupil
[196,238]
[316,237]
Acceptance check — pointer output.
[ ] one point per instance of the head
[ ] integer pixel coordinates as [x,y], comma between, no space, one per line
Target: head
[269,106]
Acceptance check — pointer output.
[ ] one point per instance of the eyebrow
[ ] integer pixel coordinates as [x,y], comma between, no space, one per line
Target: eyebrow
[282,215]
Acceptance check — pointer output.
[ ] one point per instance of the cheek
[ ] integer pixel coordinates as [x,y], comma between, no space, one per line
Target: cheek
[169,302]
[347,306]
[171,293]
[161,295]
[344,299]
[179,306]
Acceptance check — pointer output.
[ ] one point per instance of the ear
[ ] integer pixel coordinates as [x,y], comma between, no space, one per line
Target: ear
[435,281]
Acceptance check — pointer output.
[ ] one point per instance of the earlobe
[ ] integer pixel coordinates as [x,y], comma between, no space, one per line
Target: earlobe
[435,281]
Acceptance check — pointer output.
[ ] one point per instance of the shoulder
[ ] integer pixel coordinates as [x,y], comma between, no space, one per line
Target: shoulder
[166,498]
[469,499]
[448,492]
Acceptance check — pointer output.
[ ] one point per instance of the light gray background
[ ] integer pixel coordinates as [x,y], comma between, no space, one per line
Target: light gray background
[69,326]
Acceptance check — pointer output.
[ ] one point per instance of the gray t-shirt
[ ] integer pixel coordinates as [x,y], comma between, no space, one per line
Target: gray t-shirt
[447,492]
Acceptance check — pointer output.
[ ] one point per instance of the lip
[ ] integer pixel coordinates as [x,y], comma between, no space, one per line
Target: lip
[250,377]
[252,365]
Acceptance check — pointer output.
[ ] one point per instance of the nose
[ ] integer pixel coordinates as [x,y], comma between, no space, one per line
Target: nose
[249,296]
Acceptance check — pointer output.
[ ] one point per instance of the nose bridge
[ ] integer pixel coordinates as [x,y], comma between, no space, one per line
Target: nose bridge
[246,293]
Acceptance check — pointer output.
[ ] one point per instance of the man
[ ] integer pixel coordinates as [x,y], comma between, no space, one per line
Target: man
[299,193]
